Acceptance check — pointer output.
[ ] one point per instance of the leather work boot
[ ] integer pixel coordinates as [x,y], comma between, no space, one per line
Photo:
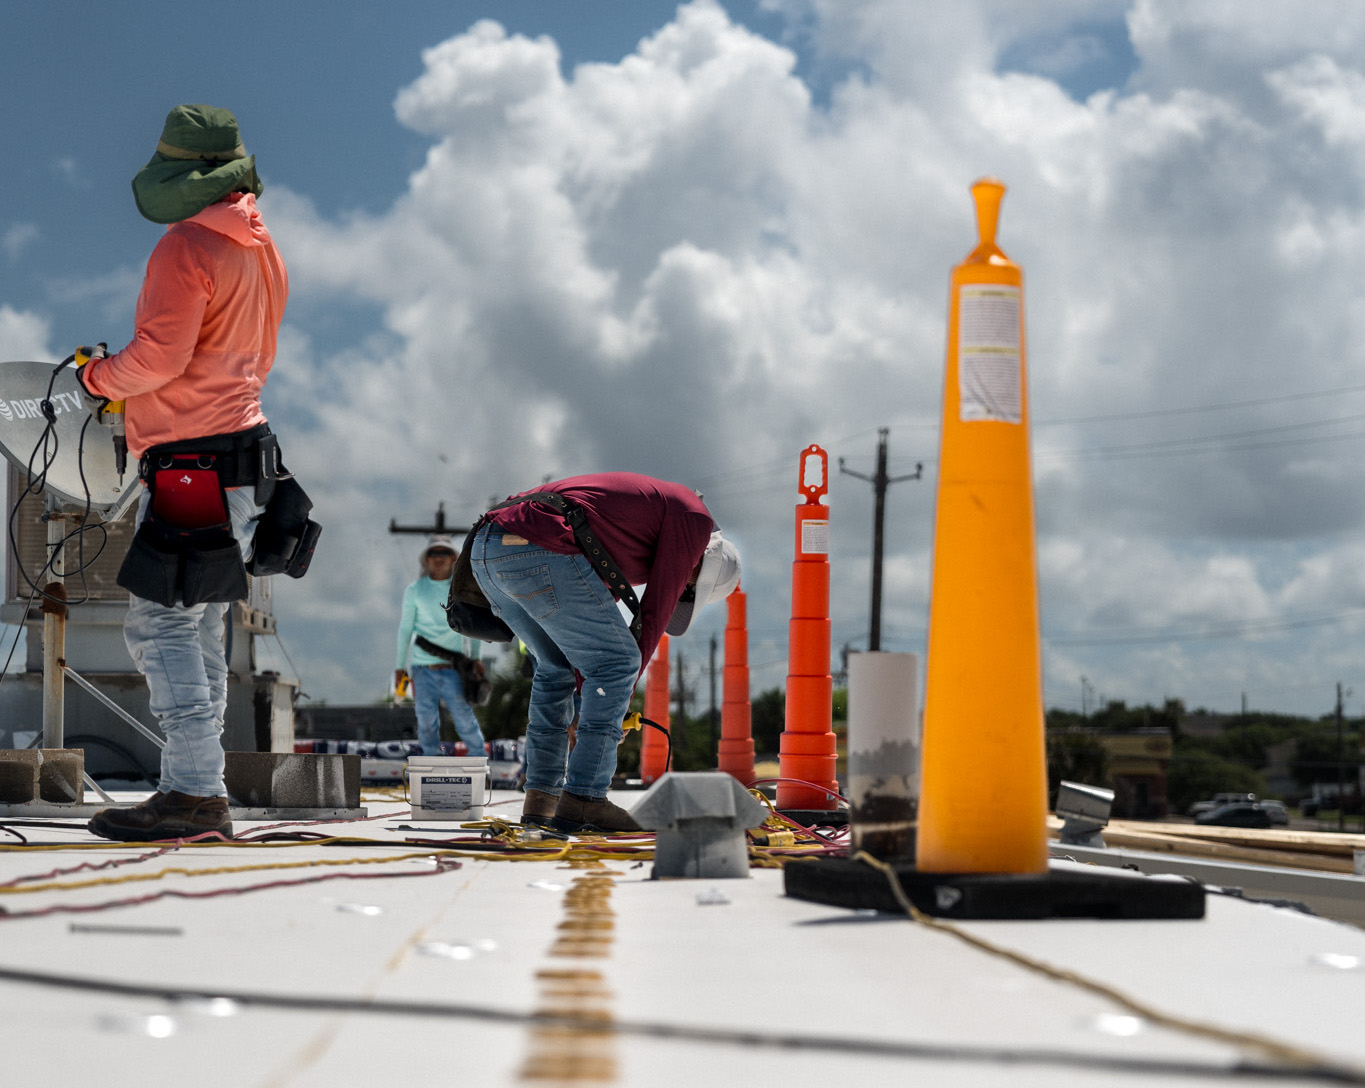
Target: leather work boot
[577,813]
[171,815]
[538,808]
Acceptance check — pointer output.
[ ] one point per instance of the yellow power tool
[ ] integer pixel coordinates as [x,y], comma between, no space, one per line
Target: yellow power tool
[114,410]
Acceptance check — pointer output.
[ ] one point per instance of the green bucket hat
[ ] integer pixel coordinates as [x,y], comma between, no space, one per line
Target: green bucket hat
[199,160]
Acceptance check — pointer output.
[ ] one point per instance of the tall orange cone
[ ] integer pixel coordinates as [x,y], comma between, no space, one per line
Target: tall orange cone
[807,750]
[983,787]
[736,752]
[653,744]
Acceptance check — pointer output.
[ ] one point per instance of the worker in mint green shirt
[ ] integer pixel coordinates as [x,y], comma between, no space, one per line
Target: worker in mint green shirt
[426,645]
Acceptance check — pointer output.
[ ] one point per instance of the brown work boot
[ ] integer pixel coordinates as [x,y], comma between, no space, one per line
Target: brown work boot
[538,808]
[171,815]
[578,813]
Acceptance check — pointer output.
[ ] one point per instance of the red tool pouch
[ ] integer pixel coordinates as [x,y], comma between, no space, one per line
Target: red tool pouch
[189,494]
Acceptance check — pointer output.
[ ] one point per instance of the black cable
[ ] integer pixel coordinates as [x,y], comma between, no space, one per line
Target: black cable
[756,1038]
[86,739]
[668,758]
[45,453]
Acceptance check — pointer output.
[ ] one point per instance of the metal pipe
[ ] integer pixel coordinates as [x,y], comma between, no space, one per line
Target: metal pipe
[54,632]
[88,686]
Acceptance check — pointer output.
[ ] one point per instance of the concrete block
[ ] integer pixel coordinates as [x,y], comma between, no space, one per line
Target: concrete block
[18,781]
[59,773]
[293,780]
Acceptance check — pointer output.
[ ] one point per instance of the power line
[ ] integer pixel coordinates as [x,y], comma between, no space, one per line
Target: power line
[1235,629]
[1197,408]
[1200,443]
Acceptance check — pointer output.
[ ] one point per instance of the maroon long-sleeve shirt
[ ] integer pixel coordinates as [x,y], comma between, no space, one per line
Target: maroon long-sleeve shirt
[656,532]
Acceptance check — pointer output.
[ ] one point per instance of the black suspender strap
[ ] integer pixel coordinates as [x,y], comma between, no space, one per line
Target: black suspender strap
[590,546]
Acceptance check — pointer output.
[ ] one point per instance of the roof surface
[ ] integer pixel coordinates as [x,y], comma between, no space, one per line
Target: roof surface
[416,956]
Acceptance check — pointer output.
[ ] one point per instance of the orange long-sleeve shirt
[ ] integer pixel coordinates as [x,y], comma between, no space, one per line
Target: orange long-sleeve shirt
[205,329]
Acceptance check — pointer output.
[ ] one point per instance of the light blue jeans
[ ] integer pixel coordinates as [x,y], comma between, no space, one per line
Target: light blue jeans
[431,685]
[569,621]
[181,653]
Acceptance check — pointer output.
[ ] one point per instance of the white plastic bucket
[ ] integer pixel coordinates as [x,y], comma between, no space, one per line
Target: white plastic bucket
[447,787]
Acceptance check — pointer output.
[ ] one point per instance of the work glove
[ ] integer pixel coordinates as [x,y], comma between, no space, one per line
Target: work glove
[401,684]
[94,403]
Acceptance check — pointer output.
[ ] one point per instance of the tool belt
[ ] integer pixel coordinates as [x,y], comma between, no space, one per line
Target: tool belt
[477,689]
[467,609]
[184,552]
[249,458]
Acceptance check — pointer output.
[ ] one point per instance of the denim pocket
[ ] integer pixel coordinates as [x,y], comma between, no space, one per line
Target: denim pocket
[214,570]
[531,588]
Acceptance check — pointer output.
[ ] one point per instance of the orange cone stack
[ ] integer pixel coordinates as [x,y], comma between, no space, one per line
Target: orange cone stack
[736,753]
[807,750]
[653,744]
[983,788]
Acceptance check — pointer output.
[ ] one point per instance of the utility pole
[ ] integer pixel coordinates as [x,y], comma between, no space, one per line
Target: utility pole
[1341,767]
[715,711]
[439,527]
[880,482]
[680,669]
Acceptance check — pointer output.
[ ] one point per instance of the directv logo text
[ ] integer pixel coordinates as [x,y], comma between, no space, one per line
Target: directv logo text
[11,410]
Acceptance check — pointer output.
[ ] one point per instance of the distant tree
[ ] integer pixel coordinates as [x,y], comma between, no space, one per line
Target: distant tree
[1317,756]
[1117,717]
[507,711]
[768,715]
[1246,742]
[1197,775]
[1074,755]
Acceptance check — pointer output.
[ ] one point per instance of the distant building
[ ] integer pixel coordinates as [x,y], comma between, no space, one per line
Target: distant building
[1138,762]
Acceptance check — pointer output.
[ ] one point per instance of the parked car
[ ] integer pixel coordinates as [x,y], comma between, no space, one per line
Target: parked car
[1329,802]
[1277,811]
[1219,799]
[1243,814]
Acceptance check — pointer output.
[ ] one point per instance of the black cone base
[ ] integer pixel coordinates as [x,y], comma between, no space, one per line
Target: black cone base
[840,882]
[816,817]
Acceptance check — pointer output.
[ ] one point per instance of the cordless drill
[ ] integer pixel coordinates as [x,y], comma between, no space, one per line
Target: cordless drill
[114,410]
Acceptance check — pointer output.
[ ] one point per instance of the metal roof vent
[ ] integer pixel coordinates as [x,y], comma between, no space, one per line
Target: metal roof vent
[699,819]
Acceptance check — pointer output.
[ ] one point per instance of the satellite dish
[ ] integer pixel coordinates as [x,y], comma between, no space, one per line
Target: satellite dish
[82,468]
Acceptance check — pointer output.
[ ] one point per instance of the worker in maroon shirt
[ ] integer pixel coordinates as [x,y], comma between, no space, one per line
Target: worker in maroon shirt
[528,560]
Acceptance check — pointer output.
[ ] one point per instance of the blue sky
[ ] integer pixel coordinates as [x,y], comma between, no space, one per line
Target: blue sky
[531,239]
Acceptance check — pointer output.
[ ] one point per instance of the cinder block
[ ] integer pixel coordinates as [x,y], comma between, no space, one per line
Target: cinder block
[18,781]
[59,773]
[293,780]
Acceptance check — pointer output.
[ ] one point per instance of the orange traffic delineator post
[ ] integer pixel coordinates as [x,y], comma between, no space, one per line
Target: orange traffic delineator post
[736,752]
[807,752]
[983,785]
[653,744]
[981,844]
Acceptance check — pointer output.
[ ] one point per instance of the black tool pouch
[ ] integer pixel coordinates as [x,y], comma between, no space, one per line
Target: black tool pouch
[285,535]
[151,569]
[467,608]
[172,566]
[476,687]
[184,551]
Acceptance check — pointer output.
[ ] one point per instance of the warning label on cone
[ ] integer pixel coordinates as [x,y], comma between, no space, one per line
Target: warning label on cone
[990,378]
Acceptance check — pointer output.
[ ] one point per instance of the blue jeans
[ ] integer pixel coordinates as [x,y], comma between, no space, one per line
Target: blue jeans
[181,653]
[431,685]
[569,621]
